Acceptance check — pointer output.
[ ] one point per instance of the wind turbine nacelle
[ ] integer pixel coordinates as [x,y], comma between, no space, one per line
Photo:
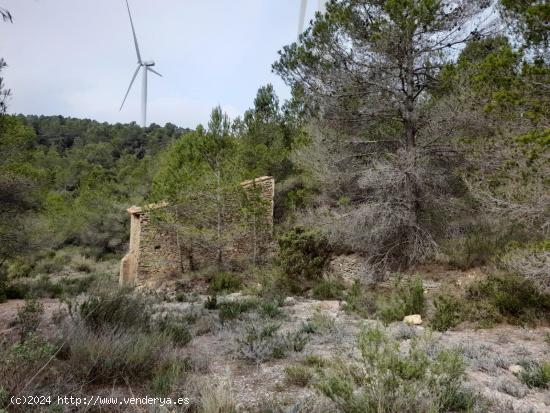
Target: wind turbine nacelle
[149,63]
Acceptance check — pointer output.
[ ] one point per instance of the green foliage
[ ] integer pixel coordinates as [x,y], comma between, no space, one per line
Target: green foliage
[267,134]
[303,253]
[270,309]
[166,377]
[536,374]
[230,310]
[480,245]
[28,318]
[360,301]
[387,380]
[21,361]
[176,328]
[225,281]
[260,342]
[509,297]
[530,19]
[408,299]
[114,355]
[118,309]
[447,313]
[328,289]
[319,323]
[298,375]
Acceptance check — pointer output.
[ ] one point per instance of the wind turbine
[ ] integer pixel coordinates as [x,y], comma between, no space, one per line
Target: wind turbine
[303,8]
[145,66]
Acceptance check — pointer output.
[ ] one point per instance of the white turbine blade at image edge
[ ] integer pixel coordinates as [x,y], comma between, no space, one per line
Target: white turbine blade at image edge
[322,5]
[130,87]
[303,7]
[134,33]
[154,71]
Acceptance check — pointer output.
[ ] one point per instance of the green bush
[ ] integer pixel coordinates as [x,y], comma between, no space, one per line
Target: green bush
[536,374]
[360,301]
[298,375]
[409,299]
[17,290]
[447,313]
[387,380]
[481,245]
[270,309]
[166,377]
[319,323]
[328,290]
[175,328]
[511,297]
[116,356]
[28,318]
[230,310]
[303,253]
[21,361]
[225,281]
[116,309]
[260,341]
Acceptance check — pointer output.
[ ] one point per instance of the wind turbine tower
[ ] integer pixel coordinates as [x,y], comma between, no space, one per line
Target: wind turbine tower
[303,8]
[145,66]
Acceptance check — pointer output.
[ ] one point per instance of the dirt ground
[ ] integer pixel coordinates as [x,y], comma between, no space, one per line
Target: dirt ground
[488,353]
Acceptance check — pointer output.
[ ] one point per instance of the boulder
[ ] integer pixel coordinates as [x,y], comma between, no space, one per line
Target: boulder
[413,319]
[515,369]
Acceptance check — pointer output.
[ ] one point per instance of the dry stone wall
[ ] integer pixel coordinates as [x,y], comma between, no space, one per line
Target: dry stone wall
[156,255]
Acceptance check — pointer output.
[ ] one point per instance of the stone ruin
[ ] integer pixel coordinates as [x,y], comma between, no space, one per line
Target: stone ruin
[155,255]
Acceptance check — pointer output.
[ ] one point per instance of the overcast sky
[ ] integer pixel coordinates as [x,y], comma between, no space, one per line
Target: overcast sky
[76,57]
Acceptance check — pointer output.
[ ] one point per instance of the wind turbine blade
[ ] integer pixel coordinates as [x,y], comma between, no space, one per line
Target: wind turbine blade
[130,87]
[303,7]
[154,71]
[134,33]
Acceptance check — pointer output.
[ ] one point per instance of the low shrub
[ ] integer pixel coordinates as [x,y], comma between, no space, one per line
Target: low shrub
[360,301]
[511,297]
[82,264]
[536,374]
[176,328]
[328,290]
[513,388]
[298,375]
[531,261]
[225,281]
[314,360]
[387,380]
[447,313]
[319,323]
[21,361]
[480,245]
[118,309]
[217,398]
[114,356]
[166,377]
[270,309]
[408,299]
[260,342]
[230,310]
[303,253]
[16,290]
[28,318]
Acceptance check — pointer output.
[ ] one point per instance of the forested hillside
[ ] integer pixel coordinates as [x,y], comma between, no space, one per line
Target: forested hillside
[412,170]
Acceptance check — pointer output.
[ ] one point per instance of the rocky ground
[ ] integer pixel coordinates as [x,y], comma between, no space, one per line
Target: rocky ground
[491,355]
